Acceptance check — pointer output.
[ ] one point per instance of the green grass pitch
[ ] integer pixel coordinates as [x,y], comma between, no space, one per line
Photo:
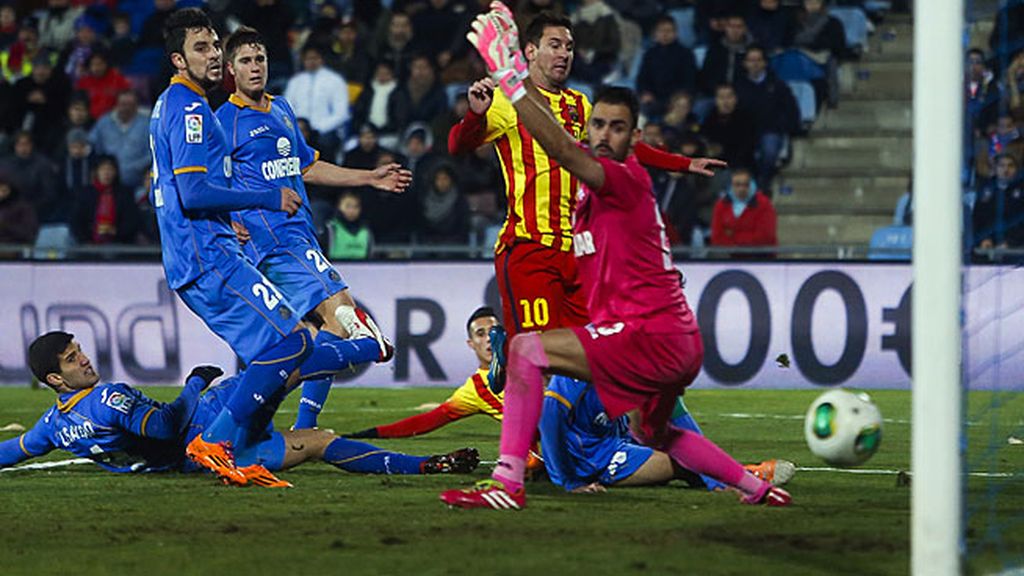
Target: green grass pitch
[81,520]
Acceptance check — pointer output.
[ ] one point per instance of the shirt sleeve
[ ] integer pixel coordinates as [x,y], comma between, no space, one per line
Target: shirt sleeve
[501,118]
[35,442]
[189,121]
[554,438]
[134,412]
[307,155]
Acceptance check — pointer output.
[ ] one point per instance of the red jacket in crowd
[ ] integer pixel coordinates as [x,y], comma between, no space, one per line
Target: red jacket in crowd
[754,227]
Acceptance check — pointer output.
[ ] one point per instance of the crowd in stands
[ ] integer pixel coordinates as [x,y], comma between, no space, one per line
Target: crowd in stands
[383,81]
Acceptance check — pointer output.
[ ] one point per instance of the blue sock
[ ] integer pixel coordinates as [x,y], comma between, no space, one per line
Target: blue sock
[259,383]
[681,418]
[314,394]
[333,354]
[353,456]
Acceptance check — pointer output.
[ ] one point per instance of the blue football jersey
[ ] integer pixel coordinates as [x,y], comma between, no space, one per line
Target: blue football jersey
[267,149]
[107,424]
[185,137]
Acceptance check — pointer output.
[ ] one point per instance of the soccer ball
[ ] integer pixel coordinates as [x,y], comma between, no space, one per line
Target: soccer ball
[843,428]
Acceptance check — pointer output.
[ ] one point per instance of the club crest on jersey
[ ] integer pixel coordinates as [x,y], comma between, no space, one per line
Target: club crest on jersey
[193,128]
[284,146]
[288,123]
[119,401]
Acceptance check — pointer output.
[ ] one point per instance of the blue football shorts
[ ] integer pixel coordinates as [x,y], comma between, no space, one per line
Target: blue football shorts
[303,274]
[626,459]
[269,448]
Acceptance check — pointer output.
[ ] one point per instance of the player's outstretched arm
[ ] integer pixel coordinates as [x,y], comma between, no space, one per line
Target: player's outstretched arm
[390,177]
[198,194]
[152,419]
[651,157]
[32,444]
[413,425]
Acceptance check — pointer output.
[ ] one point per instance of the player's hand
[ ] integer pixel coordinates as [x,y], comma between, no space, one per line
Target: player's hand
[592,488]
[706,166]
[391,178]
[207,373]
[290,201]
[480,95]
[241,232]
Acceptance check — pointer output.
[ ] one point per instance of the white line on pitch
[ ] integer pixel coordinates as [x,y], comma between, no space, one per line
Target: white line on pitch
[886,472]
[47,465]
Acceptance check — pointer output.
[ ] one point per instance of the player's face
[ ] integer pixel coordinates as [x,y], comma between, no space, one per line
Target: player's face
[250,69]
[551,60]
[76,371]
[611,130]
[480,340]
[202,59]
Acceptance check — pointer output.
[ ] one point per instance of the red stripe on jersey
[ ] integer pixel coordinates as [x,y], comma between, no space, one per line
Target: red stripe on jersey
[485,393]
[508,233]
[555,195]
[529,191]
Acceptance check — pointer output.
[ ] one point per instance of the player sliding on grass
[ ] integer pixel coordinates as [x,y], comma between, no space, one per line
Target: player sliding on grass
[267,148]
[643,347]
[203,259]
[122,430]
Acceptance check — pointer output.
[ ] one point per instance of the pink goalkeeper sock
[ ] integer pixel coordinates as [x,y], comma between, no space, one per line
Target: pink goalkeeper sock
[524,398]
[698,454]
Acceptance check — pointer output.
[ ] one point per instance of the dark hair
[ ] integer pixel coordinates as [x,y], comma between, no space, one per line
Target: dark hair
[618,95]
[725,85]
[736,171]
[666,18]
[244,36]
[313,46]
[179,23]
[481,312]
[543,21]
[757,47]
[44,353]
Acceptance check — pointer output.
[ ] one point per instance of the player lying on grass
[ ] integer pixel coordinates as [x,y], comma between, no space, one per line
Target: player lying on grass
[268,149]
[476,396]
[643,346]
[585,450]
[123,430]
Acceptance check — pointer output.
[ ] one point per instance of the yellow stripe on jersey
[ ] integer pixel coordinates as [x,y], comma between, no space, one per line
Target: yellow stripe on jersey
[145,420]
[21,444]
[561,399]
[189,169]
[66,406]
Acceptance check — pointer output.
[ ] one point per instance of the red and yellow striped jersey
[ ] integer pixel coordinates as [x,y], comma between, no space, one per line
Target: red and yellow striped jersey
[541,195]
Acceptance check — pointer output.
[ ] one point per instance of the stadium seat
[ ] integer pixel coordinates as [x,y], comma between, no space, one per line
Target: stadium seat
[803,92]
[453,91]
[795,65]
[855,24]
[891,243]
[52,242]
[685,28]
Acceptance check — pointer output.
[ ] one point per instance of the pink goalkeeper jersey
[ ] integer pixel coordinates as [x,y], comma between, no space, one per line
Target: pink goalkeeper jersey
[625,264]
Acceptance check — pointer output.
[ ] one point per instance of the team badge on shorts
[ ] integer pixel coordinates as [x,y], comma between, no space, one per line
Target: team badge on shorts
[334,276]
[284,312]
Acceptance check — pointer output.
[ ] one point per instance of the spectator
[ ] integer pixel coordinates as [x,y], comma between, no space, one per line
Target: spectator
[75,56]
[724,61]
[742,218]
[773,108]
[366,154]
[444,24]
[1005,139]
[982,92]
[1014,85]
[392,217]
[824,39]
[667,67]
[57,24]
[122,42]
[445,211]
[422,99]
[75,174]
[34,175]
[397,46]
[686,200]
[679,119]
[527,10]
[376,103]
[124,134]
[598,41]
[348,55]
[730,130]
[107,213]
[153,27]
[76,116]
[16,60]
[102,84]
[40,101]
[273,18]
[998,218]
[18,224]
[771,25]
[348,237]
[417,143]
[8,26]
[321,198]
[319,94]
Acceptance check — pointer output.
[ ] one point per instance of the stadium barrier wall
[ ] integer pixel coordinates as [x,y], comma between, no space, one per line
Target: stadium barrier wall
[836,323]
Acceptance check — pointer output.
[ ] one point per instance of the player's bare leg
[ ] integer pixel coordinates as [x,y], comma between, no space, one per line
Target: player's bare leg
[354,456]
[658,469]
[531,356]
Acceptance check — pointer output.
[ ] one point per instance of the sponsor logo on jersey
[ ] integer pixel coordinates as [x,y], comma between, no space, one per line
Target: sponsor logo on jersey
[194,128]
[156,109]
[284,146]
[583,243]
[281,168]
[119,401]
[257,131]
[68,435]
[193,106]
